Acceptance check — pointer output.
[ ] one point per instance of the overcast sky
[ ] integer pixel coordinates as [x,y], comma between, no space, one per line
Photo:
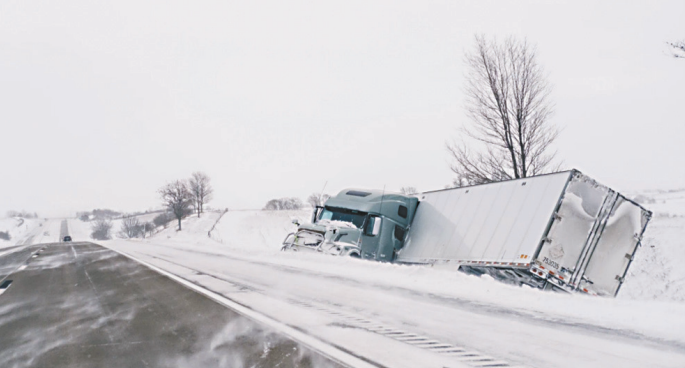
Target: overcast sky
[101,103]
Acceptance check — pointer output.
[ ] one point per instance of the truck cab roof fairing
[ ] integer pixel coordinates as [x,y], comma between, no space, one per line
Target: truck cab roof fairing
[375,201]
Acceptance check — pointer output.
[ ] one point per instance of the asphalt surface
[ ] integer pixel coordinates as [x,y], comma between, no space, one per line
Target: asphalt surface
[81,305]
[11,258]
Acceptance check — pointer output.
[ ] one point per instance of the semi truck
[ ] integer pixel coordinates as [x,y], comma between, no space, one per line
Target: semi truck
[562,231]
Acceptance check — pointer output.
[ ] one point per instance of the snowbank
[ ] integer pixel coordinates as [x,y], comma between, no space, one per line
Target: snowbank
[257,229]
[657,272]
[29,231]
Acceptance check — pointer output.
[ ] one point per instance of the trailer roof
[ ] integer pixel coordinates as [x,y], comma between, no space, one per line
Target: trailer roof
[501,181]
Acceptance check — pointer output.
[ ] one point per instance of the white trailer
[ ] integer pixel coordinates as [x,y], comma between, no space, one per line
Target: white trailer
[557,231]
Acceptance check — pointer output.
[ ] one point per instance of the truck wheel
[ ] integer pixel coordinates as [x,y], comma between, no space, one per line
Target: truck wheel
[354,255]
[288,241]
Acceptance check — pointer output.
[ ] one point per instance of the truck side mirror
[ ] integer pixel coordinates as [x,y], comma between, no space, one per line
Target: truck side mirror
[373,226]
[315,213]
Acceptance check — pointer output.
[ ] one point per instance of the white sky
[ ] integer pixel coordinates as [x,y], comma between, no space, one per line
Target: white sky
[101,103]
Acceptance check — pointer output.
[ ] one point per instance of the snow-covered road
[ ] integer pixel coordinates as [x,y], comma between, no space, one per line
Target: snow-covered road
[405,327]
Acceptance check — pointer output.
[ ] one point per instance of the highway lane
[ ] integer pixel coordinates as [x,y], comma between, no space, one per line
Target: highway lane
[64,230]
[11,258]
[81,305]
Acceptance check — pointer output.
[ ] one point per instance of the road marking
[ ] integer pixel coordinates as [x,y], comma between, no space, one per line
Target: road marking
[460,354]
[5,285]
[33,255]
[97,297]
[16,249]
[328,350]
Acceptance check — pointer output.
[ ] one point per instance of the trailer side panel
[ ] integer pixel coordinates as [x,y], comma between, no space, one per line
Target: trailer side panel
[500,222]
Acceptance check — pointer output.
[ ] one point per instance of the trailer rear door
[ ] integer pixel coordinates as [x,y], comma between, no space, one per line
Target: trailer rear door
[578,219]
[611,257]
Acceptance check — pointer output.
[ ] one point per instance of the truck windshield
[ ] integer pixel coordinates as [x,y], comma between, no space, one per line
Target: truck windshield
[345,215]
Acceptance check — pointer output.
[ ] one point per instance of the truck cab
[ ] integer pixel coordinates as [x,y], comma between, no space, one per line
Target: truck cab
[362,223]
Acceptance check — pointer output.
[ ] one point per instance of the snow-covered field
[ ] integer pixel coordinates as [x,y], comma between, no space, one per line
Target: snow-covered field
[644,326]
[657,273]
[29,231]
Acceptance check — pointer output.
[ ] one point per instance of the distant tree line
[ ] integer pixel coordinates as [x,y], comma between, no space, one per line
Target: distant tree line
[293,203]
[280,204]
[677,49]
[408,190]
[98,214]
[163,219]
[317,199]
[22,214]
[132,227]
[180,198]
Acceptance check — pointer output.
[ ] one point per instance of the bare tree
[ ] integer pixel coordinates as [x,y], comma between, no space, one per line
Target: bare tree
[130,227]
[317,199]
[177,198]
[147,227]
[408,190]
[101,229]
[284,204]
[162,219]
[201,190]
[678,49]
[508,103]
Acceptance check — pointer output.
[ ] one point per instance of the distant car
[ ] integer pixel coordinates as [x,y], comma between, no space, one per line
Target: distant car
[67,238]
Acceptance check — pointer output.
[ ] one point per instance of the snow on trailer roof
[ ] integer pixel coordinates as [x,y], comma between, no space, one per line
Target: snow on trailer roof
[502,181]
